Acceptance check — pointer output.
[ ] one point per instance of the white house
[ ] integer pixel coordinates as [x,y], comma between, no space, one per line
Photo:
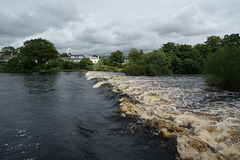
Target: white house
[76,58]
[94,59]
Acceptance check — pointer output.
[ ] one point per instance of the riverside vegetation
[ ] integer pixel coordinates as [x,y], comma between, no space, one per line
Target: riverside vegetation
[218,59]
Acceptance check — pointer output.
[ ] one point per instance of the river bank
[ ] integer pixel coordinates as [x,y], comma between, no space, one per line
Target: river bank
[204,122]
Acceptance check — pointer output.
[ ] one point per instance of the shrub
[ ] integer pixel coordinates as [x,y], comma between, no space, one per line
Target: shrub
[56,69]
[192,67]
[153,70]
[133,69]
[85,63]
[36,69]
[222,68]
[67,65]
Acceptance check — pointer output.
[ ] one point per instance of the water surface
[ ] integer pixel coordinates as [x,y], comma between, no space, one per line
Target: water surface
[61,116]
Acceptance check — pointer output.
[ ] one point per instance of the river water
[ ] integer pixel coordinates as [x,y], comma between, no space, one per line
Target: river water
[204,120]
[61,116]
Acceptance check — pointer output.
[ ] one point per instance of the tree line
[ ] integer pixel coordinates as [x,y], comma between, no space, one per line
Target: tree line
[218,59]
[40,55]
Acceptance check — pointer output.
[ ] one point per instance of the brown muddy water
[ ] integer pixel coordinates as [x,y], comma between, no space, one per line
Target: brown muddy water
[205,121]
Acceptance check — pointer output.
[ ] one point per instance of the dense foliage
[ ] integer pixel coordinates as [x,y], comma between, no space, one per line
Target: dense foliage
[37,52]
[218,58]
[171,58]
[10,50]
[33,54]
[223,68]
[41,55]
[116,58]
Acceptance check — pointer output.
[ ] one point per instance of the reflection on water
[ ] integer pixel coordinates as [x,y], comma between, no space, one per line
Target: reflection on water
[204,121]
[60,116]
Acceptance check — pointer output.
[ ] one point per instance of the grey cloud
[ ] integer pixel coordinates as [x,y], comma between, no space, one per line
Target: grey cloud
[128,35]
[43,18]
[101,27]
[188,22]
[93,36]
[18,26]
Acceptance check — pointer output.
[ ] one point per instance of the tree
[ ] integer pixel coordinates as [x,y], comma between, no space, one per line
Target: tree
[233,39]
[9,50]
[133,69]
[85,63]
[37,52]
[149,64]
[116,58]
[223,68]
[64,55]
[14,66]
[214,43]
[184,51]
[106,61]
[67,65]
[192,66]
[185,60]
[134,55]
[203,49]
[53,63]
[170,46]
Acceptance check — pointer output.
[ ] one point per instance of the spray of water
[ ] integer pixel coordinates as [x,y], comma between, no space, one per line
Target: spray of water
[205,122]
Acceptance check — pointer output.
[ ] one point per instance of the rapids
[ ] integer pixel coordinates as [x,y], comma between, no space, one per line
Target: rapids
[204,120]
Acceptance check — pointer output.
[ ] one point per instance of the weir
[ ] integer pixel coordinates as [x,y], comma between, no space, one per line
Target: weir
[204,121]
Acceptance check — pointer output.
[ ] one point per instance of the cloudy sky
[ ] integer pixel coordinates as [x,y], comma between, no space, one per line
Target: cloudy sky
[103,26]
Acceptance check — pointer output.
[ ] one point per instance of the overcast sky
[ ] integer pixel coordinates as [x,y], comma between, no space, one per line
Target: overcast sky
[103,26]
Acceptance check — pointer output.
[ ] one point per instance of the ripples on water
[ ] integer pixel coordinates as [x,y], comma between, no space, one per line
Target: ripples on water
[61,116]
[204,120]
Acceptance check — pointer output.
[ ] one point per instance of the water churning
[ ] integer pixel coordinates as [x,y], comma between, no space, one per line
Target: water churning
[204,121]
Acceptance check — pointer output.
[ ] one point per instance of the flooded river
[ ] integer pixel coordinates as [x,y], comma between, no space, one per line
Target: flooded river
[204,121]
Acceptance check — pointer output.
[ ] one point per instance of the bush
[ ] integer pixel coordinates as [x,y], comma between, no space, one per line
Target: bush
[85,63]
[52,63]
[36,69]
[56,69]
[222,68]
[67,65]
[192,67]
[133,69]
[153,70]
[13,66]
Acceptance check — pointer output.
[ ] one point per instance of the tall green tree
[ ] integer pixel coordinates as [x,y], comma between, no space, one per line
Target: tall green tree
[232,40]
[85,63]
[106,61]
[134,55]
[170,46]
[64,55]
[116,58]
[185,59]
[223,68]
[9,50]
[37,52]
[203,49]
[150,64]
[214,43]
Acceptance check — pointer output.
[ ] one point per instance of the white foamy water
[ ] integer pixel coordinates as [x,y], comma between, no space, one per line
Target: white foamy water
[205,122]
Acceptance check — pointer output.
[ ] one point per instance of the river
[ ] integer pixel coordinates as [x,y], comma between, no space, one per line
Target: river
[204,120]
[61,116]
